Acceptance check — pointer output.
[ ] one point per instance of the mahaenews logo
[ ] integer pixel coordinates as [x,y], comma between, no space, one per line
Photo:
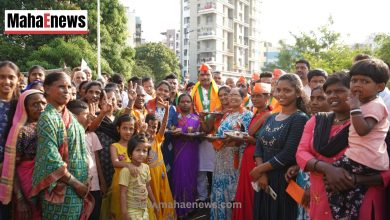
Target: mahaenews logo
[46,22]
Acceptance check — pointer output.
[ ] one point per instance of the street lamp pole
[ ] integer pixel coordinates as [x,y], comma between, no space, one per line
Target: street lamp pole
[99,71]
[182,34]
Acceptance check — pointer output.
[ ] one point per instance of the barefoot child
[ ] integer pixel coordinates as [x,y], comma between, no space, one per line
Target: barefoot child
[135,190]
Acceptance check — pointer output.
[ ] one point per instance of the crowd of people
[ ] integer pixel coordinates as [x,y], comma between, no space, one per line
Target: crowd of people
[303,145]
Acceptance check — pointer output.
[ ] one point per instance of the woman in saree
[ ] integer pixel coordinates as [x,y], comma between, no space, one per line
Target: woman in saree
[20,153]
[324,140]
[245,194]
[60,178]
[186,160]
[225,175]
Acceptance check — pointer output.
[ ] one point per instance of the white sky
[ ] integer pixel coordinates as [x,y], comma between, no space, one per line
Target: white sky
[354,19]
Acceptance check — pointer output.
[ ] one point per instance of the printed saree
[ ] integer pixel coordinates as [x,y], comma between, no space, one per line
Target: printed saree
[61,147]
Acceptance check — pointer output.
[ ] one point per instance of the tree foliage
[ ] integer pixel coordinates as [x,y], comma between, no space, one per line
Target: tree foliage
[159,58]
[321,47]
[382,42]
[25,50]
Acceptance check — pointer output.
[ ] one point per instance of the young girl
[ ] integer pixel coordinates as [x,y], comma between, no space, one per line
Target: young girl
[159,183]
[119,158]
[186,160]
[135,190]
[367,153]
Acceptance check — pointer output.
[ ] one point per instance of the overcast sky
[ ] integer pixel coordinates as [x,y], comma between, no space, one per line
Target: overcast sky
[355,20]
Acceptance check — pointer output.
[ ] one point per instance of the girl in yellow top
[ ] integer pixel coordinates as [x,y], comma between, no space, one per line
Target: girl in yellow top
[135,190]
[158,172]
[126,128]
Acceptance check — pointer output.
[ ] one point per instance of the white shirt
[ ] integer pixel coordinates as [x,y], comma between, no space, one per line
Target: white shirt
[307,90]
[385,95]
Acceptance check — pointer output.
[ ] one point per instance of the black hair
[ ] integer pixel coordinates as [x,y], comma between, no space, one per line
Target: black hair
[54,77]
[189,84]
[34,68]
[76,106]
[146,79]
[135,79]
[317,72]
[171,76]
[227,88]
[165,83]
[116,78]
[266,75]
[240,92]
[337,78]
[93,83]
[317,88]
[216,72]
[361,56]
[124,118]
[152,117]
[376,69]
[109,89]
[182,95]
[11,65]
[82,84]
[111,85]
[304,62]
[135,141]
[295,81]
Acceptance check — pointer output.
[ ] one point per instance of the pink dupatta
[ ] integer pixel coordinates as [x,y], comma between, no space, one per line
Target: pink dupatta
[19,120]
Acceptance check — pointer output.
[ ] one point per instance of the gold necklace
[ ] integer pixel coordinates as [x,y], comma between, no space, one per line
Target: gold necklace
[340,120]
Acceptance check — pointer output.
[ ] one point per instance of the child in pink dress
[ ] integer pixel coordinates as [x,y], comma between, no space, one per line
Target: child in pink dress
[367,152]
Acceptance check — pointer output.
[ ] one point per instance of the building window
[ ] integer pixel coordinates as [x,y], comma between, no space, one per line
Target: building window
[209,19]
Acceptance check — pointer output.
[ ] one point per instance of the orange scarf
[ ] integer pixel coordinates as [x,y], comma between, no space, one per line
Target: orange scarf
[214,102]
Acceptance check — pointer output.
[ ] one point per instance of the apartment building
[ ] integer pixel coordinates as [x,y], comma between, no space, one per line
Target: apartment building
[172,40]
[224,35]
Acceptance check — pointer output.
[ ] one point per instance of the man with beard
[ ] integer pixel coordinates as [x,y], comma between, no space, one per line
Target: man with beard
[137,109]
[302,68]
[205,99]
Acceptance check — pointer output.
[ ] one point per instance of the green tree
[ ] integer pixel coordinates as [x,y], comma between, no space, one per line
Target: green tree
[159,58]
[116,56]
[382,42]
[322,48]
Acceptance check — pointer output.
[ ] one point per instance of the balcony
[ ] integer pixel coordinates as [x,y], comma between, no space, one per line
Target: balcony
[229,3]
[245,2]
[206,49]
[206,33]
[208,7]
[208,60]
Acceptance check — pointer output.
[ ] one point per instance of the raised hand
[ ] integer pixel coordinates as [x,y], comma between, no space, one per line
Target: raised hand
[106,108]
[131,92]
[163,103]
[353,100]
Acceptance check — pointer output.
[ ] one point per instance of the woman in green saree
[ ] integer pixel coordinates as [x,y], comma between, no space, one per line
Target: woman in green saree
[60,178]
